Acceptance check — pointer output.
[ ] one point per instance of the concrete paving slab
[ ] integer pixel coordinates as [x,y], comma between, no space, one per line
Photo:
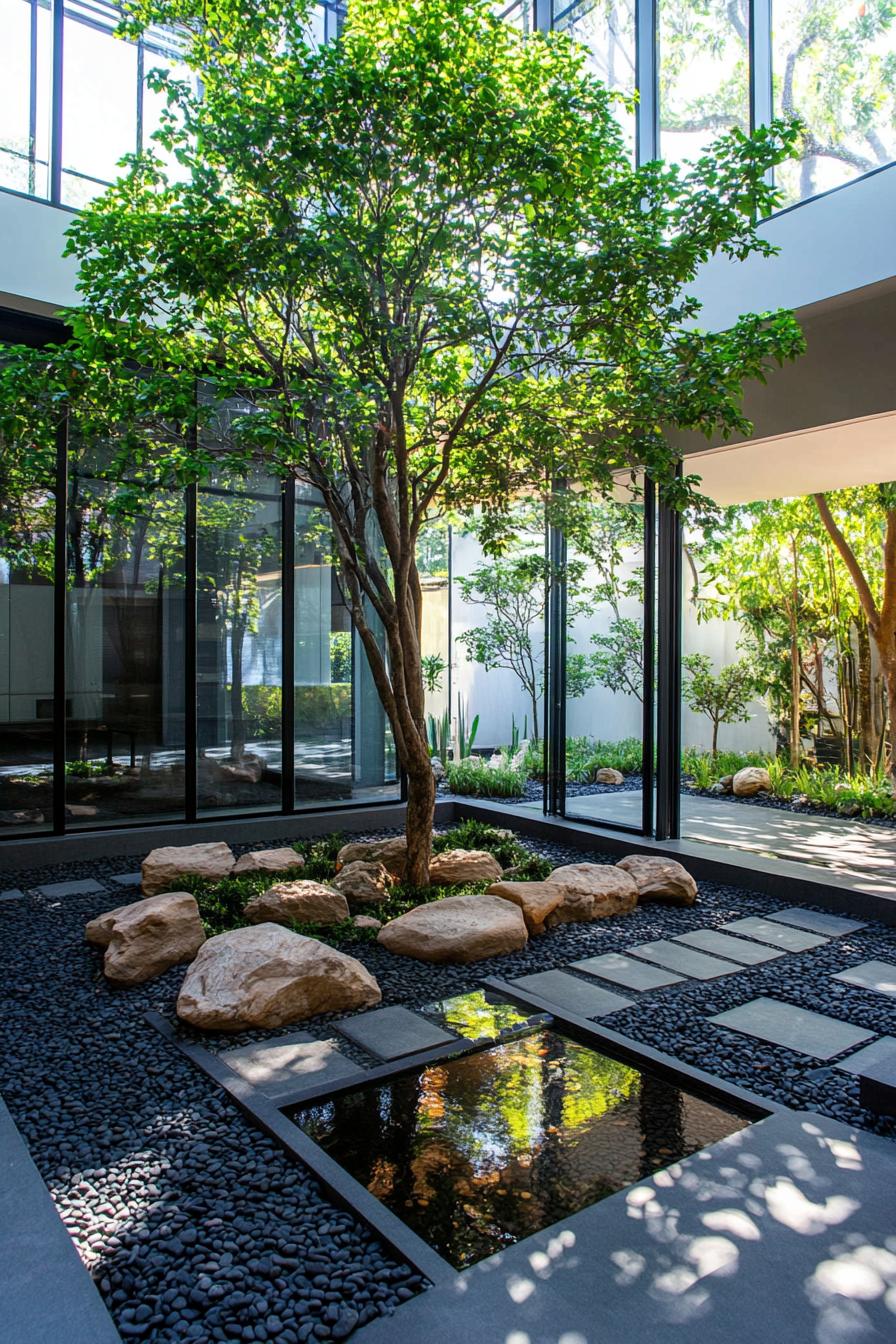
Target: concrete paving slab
[12,895]
[877,1086]
[283,1066]
[47,1294]
[723,945]
[797,1029]
[79,887]
[626,971]
[832,926]
[877,975]
[572,994]
[868,1056]
[770,1234]
[778,935]
[391,1032]
[685,960]
[128,879]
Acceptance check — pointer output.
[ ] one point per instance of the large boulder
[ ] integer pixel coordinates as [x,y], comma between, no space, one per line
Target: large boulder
[607,775]
[392,854]
[454,866]
[267,976]
[458,928]
[363,883]
[268,861]
[299,902]
[147,938]
[660,879]
[537,900]
[751,780]
[163,868]
[591,891]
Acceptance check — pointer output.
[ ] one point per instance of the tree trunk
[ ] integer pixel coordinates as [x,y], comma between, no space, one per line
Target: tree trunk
[418,824]
[865,696]
[715,738]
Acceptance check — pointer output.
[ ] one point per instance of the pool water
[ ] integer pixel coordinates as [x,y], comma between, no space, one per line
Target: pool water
[477,1152]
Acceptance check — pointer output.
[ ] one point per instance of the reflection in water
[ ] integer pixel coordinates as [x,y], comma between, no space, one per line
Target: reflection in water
[476,1153]
[481,1016]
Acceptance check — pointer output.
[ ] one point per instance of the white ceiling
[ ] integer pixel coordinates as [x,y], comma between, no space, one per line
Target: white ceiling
[831,457]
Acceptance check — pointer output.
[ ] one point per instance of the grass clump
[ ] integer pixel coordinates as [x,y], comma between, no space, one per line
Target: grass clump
[473,779]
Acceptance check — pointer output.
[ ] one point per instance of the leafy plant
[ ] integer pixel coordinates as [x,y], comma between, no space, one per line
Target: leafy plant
[434,668]
[722,697]
[465,740]
[475,779]
[340,655]
[86,769]
[439,734]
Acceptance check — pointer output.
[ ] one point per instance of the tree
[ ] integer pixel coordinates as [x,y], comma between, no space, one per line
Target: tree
[421,260]
[618,658]
[878,602]
[724,698]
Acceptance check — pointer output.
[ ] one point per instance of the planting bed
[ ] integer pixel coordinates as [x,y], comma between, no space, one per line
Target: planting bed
[194,1224]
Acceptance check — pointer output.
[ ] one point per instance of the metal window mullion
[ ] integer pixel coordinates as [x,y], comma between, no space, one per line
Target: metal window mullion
[32,101]
[761,94]
[648,739]
[554,726]
[56,104]
[288,655]
[646,77]
[668,728]
[542,15]
[191,633]
[140,73]
[60,621]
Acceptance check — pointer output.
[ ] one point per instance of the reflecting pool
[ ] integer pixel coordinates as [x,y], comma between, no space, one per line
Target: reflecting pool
[476,1153]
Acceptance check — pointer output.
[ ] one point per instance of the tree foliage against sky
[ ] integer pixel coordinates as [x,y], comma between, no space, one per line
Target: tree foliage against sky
[422,260]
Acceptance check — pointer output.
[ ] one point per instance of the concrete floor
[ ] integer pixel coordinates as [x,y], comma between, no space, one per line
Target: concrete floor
[852,848]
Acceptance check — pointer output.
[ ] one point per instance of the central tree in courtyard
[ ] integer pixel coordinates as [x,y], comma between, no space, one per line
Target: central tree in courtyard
[420,265]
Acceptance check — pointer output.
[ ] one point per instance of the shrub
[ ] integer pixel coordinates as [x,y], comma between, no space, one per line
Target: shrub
[475,780]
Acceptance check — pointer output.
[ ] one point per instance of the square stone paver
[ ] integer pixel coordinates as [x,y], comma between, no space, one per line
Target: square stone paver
[12,895]
[391,1032]
[626,971]
[79,887]
[877,975]
[284,1066]
[723,945]
[798,1029]
[779,935]
[869,1055]
[127,879]
[686,960]
[574,995]
[832,926]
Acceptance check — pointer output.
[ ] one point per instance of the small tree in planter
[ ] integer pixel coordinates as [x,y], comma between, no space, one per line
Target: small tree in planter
[723,698]
[421,260]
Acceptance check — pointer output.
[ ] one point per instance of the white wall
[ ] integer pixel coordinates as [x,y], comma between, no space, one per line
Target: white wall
[34,275]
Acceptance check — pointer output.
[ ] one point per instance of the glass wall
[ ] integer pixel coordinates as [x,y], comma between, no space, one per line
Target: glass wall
[25,96]
[607,29]
[834,66]
[27,559]
[704,74]
[239,624]
[124,645]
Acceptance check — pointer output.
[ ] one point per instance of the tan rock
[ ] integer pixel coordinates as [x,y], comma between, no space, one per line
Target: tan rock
[298,902]
[145,939]
[367,922]
[660,879]
[749,781]
[267,976]
[591,891]
[458,928]
[163,868]
[363,883]
[454,866]
[392,854]
[606,775]
[268,861]
[537,900]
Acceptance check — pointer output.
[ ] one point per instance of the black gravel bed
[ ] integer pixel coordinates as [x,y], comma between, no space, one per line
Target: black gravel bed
[197,1227]
[782,805]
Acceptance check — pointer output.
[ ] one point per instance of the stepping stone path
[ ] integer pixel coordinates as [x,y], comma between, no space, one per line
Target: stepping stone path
[625,971]
[832,926]
[574,995]
[868,1056]
[877,1086]
[796,1029]
[283,1067]
[81,887]
[779,935]
[392,1032]
[722,945]
[686,960]
[127,879]
[12,895]
[879,976]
